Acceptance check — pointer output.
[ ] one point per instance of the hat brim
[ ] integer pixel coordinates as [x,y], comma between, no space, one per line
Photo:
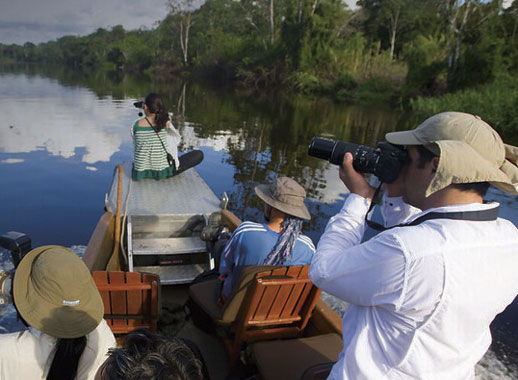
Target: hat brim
[264,192]
[55,320]
[403,138]
[460,163]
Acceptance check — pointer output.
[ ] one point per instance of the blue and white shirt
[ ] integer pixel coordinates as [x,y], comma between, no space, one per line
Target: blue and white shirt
[250,244]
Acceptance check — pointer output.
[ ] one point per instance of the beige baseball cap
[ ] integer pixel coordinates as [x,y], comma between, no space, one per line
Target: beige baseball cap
[54,292]
[470,150]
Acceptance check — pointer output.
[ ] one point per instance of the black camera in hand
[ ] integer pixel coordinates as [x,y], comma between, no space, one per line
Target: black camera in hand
[385,161]
[139,104]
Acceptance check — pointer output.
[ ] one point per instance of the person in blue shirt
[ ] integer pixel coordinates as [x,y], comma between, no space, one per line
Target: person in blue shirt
[277,242]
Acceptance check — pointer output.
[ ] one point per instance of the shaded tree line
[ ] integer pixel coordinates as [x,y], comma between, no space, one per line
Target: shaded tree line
[396,47]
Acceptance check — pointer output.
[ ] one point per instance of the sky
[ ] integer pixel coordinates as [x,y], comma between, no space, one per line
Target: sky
[44,20]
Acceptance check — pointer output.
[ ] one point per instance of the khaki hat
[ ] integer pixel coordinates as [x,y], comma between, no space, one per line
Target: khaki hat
[469,150]
[286,195]
[54,292]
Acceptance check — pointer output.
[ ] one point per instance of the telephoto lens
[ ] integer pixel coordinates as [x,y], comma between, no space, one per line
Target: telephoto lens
[385,162]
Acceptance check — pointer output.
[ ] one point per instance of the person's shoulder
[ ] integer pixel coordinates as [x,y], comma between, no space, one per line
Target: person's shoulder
[306,240]
[141,123]
[249,227]
[19,337]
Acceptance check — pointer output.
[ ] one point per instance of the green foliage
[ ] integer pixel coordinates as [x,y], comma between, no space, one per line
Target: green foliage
[137,55]
[304,82]
[425,59]
[384,48]
[481,63]
[495,103]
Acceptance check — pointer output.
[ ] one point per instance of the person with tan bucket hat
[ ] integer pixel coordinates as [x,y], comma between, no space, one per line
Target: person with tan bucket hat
[422,294]
[277,242]
[57,299]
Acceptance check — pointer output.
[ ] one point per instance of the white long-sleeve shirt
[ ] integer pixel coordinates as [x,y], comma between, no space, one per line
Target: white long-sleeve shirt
[28,354]
[422,297]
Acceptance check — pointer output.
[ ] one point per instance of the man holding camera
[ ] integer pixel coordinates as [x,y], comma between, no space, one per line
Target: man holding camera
[422,295]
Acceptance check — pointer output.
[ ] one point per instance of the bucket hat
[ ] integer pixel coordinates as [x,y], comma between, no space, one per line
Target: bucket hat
[286,195]
[54,292]
[469,150]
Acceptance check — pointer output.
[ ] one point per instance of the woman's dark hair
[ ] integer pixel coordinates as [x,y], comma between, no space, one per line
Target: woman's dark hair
[66,359]
[155,105]
[480,188]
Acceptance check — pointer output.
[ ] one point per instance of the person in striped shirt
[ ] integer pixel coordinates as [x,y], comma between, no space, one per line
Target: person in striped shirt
[150,144]
[277,242]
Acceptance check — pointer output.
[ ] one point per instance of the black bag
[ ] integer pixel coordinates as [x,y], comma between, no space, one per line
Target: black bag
[170,159]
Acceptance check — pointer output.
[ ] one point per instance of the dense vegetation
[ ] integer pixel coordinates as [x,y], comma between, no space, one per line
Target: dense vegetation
[391,48]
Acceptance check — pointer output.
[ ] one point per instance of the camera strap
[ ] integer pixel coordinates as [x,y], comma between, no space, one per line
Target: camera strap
[476,216]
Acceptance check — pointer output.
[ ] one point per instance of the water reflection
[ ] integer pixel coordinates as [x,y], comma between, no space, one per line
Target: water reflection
[62,132]
[40,114]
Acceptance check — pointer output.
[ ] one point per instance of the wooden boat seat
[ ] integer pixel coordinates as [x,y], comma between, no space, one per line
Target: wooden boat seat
[131,299]
[268,303]
[297,359]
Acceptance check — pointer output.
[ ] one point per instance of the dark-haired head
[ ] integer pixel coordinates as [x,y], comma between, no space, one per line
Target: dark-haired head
[146,356]
[155,105]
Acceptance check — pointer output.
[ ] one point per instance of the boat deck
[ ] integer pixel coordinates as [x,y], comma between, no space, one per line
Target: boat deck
[164,221]
[186,193]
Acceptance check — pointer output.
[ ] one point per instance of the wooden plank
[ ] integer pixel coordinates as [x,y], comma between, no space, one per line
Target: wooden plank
[118,301]
[134,300]
[152,301]
[296,291]
[101,278]
[269,296]
[304,273]
[281,298]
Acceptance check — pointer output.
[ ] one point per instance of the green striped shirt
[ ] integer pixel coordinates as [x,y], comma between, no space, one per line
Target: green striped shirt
[149,156]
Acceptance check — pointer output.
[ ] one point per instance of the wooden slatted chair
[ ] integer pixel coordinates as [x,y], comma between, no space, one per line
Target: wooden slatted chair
[277,305]
[131,300]
[267,303]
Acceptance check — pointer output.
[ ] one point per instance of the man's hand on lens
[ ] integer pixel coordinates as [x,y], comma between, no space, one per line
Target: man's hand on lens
[353,180]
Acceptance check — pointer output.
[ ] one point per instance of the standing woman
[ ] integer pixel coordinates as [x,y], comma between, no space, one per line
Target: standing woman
[150,144]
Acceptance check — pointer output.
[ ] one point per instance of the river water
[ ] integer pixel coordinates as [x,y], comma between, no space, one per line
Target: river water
[62,133]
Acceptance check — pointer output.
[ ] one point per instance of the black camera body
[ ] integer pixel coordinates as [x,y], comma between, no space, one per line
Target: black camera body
[139,104]
[18,245]
[385,161]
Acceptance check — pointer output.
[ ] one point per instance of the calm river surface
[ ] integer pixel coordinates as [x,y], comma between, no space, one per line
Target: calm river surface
[63,132]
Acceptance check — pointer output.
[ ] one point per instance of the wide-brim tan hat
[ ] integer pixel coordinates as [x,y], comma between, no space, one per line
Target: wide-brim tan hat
[469,150]
[286,195]
[54,292]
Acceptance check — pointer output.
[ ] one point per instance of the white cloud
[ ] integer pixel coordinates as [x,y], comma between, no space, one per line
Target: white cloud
[12,161]
[65,121]
[43,20]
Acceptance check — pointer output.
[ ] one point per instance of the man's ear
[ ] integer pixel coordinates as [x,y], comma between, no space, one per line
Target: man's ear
[435,164]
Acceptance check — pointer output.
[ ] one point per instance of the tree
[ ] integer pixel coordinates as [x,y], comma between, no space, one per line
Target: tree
[389,19]
[183,9]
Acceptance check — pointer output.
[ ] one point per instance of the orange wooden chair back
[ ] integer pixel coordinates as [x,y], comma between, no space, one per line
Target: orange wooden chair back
[131,299]
[277,305]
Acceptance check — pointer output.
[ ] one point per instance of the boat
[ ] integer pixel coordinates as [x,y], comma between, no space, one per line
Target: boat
[156,227]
